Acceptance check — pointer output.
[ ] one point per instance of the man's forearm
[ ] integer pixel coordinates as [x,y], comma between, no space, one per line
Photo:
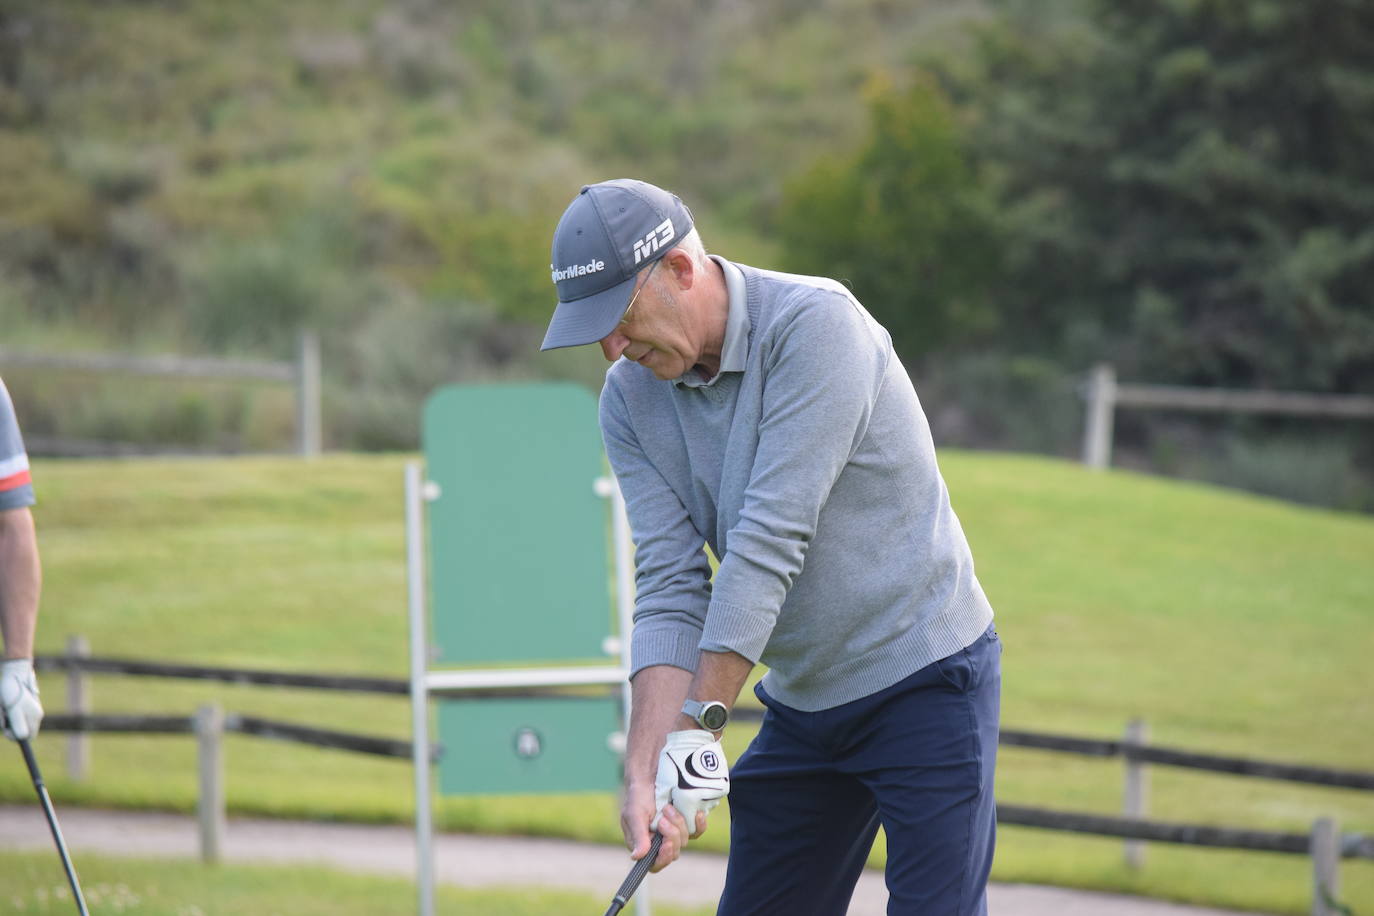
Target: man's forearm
[20,582]
[658,692]
[720,677]
[657,696]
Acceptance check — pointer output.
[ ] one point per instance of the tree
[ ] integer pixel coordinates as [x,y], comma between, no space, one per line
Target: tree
[1187,186]
[901,219]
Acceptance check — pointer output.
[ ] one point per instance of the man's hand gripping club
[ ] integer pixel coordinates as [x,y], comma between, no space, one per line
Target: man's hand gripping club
[692,778]
[20,710]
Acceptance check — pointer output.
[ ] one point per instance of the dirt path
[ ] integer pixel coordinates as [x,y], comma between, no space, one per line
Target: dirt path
[476,861]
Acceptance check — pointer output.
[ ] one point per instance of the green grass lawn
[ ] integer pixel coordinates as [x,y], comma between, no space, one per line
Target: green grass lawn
[1230,623]
[34,883]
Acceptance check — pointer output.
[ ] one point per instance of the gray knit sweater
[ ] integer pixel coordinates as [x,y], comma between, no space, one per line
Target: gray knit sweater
[812,476]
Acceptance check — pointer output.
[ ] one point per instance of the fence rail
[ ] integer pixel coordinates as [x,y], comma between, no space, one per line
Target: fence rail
[122,723]
[171,366]
[1104,395]
[322,737]
[1353,846]
[1192,760]
[1176,397]
[132,723]
[303,374]
[91,664]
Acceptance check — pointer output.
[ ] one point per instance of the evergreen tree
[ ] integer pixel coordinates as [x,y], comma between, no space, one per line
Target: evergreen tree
[1188,188]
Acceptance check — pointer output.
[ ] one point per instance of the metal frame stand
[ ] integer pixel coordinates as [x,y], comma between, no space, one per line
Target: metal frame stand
[423,682]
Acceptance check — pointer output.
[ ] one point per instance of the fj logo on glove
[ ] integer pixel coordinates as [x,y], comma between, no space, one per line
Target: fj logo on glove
[702,771]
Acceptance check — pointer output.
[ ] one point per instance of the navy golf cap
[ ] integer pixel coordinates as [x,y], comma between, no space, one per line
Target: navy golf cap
[610,232]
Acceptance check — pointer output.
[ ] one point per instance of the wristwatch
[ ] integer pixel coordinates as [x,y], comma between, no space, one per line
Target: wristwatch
[711,715]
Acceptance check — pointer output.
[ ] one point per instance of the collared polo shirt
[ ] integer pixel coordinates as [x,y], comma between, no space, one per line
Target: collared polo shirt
[735,350]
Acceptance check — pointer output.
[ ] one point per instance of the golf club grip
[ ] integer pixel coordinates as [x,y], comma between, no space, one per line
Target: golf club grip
[636,876]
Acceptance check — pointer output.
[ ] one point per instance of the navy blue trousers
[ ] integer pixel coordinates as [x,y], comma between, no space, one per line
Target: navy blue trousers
[807,797]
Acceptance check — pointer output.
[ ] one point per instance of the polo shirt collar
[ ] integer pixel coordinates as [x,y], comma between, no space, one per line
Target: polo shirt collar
[734,353]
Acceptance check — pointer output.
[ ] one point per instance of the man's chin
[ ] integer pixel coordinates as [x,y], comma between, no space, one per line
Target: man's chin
[655,363]
[656,367]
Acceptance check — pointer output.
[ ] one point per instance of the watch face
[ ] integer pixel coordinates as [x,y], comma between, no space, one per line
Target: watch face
[714,716]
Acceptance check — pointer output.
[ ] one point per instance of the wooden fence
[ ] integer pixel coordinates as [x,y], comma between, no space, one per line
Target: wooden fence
[209,725]
[1325,844]
[303,374]
[1104,395]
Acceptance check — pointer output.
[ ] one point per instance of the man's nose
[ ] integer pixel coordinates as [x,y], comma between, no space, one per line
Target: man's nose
[614,344]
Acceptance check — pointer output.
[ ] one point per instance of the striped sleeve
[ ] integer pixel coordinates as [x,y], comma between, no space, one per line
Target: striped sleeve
[16,486]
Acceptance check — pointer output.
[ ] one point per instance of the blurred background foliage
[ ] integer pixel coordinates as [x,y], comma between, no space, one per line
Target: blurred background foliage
[1016,189]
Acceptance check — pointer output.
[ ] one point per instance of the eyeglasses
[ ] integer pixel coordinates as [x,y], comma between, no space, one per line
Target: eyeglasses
[626,317]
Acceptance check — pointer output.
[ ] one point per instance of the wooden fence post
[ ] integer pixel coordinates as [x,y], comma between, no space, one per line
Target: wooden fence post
[209,725]
[1097,423]
[307,377]
[1326,861]
[1135,796]
[78,703]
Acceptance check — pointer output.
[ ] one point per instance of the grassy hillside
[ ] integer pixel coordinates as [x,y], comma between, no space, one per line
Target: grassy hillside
[426,148]
[199,176]
[1229,622]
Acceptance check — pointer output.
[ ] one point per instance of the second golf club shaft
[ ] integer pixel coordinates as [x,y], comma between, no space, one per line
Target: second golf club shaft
[46,802]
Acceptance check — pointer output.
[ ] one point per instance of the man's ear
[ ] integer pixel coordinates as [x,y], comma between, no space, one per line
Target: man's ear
[684,270]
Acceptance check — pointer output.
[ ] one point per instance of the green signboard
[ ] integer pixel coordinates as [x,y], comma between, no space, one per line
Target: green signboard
[520,578]
[523,745]
[518,545]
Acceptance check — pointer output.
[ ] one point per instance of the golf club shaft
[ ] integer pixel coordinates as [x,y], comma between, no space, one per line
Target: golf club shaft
[636,875]
[52,824]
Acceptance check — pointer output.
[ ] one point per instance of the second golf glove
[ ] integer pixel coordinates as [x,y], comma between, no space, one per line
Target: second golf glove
[692,775]
[19,698]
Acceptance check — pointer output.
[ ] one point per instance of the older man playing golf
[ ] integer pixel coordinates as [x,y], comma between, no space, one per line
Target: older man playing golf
[20,581]
[765,415]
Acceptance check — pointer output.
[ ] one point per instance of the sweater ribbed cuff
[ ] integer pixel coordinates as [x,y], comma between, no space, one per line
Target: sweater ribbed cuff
[730,628]
[668,643]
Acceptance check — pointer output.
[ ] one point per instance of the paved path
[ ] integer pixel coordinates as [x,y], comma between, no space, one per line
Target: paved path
[476,861]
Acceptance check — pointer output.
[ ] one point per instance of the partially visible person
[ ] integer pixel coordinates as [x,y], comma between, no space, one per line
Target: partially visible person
[20,581]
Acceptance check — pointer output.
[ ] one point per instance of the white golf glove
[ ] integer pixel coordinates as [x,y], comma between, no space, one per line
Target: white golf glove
[19,698]
[692,775]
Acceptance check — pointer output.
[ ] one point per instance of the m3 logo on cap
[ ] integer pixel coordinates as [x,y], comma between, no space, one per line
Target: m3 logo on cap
[663,234]
[576,270]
